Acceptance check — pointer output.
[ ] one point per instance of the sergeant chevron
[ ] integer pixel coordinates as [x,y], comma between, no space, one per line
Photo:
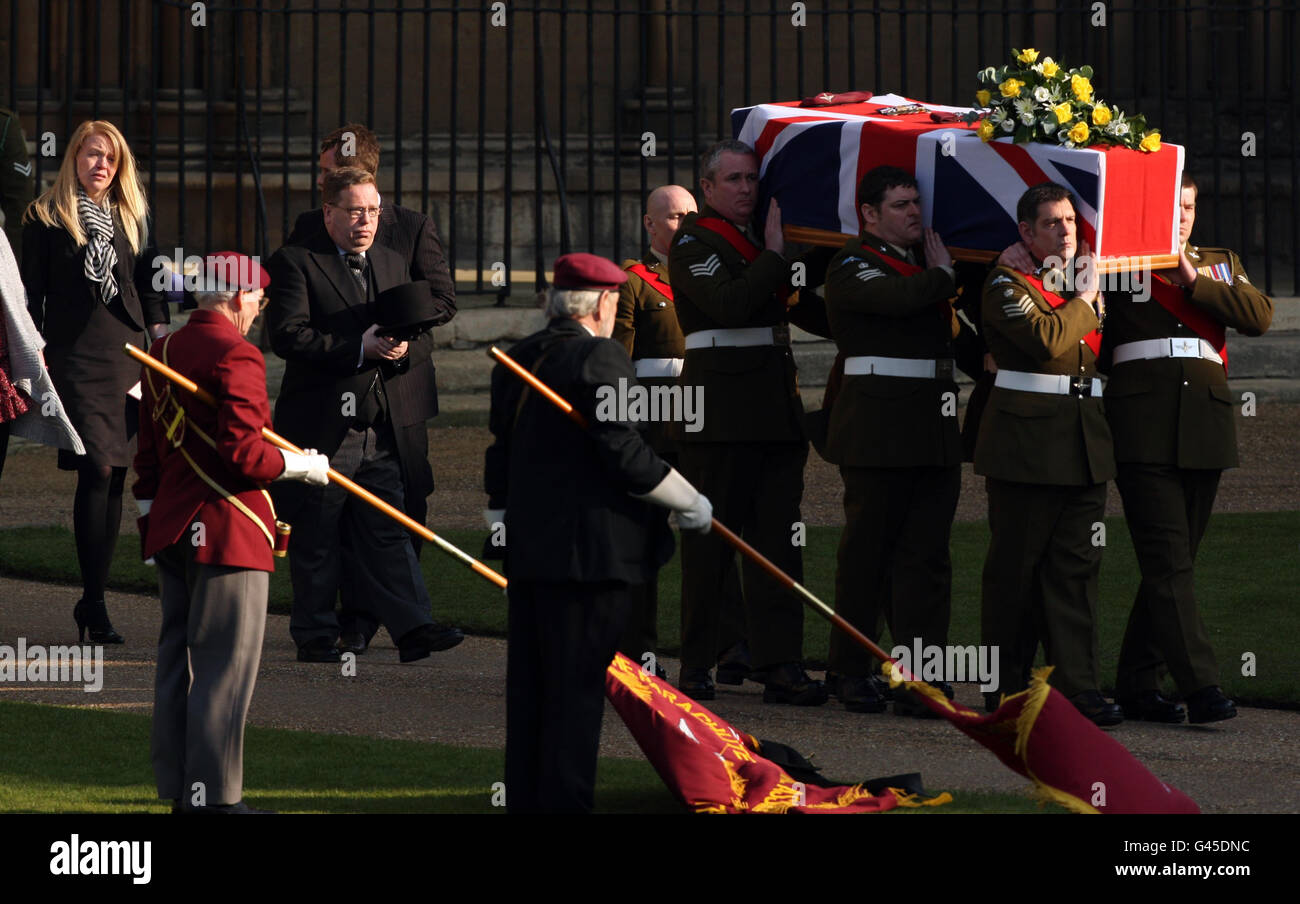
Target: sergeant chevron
[637,404]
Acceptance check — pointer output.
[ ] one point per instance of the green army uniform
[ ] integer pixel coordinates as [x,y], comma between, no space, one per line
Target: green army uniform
[17,179]
[1046,457]
[893,432]
[1174,423]
[748,457]
[647,326]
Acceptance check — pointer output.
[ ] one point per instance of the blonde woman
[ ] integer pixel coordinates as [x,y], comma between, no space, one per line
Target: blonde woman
[88,279]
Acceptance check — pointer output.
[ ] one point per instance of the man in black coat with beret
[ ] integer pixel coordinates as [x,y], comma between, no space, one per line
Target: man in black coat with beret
[579,531]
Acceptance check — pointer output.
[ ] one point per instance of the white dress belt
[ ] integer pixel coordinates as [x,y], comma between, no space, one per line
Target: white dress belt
[1055,384]
[1177,347]
[921,368]
[738,337]
[658,367]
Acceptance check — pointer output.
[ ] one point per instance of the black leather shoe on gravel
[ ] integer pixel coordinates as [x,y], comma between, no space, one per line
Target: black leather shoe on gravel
[789,683]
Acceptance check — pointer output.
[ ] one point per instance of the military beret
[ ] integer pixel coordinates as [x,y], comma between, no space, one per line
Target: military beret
[230,271]
[587,271]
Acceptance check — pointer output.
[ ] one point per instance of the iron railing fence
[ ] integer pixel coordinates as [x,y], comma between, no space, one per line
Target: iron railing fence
[521,126]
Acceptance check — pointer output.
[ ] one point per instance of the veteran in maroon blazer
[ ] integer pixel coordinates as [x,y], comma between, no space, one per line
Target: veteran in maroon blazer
[208,522]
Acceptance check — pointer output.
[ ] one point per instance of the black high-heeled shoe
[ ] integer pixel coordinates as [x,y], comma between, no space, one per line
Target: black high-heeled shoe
[92,616]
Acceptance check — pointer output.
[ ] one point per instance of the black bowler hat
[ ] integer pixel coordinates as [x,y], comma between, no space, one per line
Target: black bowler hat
[405,311]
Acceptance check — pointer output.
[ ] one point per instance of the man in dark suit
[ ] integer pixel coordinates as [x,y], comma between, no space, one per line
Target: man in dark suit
[893,432]
[733,302]
[414,236]
[214,582]
[1045,451]
[579,532]
[363,400]
[1175,430]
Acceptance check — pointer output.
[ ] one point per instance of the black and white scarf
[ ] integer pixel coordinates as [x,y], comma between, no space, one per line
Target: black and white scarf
[101,256]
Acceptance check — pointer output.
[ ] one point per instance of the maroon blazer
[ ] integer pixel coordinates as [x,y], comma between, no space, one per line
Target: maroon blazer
[211,352]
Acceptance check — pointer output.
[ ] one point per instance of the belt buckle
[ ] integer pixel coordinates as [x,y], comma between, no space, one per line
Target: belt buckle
[943,369]
[781,334]
[1081,387]
[1184,348]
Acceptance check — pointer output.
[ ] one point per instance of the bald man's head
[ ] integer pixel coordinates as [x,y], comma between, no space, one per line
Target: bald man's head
[664,210]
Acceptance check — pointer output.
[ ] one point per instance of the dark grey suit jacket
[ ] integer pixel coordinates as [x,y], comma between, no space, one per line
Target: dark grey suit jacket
[315,324]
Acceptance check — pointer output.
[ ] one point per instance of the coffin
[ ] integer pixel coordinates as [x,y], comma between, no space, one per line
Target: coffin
[812,158]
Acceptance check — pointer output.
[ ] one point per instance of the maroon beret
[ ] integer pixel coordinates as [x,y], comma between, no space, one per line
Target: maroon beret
[587,271]
[230,271]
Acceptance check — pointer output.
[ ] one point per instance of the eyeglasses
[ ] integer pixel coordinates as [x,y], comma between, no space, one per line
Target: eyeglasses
[357,213]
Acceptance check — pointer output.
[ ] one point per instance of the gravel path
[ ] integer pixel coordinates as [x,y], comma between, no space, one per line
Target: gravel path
[1247,765]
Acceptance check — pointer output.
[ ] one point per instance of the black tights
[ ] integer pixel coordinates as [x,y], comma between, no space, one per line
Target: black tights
[96,520]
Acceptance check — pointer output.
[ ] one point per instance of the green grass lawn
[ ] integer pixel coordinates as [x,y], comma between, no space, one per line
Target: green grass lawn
[298,771]
[1248,571]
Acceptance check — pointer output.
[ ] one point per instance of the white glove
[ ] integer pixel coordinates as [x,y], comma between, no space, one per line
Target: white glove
[698,517]
[144,505]
[311,467]
[493,517]
[694,511]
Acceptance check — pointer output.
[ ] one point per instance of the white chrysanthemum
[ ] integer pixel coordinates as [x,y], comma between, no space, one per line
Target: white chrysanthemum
[1024,105]
[1121,129]
[998,116]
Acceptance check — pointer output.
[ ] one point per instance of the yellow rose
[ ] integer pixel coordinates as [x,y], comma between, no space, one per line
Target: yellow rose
[1101,116]
[1011,87]
[1028,55]
[1064,112]
[983,97]
[986,130]
[1150,142]
[1082,88]
[1079,134]
[1049,68]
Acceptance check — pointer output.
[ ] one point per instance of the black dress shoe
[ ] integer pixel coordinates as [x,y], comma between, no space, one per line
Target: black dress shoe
[1209,705]
[696,684]
[907,703]
[1149,706]
[419,642]
[318,649]
[235,809]
[1094,706]
[353,642]
[789,683]
[734,664]
[858,694]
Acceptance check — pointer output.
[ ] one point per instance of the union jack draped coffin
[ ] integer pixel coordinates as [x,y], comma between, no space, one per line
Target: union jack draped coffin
[811,160]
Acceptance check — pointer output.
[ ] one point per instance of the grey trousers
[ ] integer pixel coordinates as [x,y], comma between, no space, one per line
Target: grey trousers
[213,619]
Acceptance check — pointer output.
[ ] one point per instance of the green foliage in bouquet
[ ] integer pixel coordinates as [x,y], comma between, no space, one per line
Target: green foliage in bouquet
[1040,100]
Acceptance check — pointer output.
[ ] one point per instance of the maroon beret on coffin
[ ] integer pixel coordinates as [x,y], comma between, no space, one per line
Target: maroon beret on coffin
[587,271]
